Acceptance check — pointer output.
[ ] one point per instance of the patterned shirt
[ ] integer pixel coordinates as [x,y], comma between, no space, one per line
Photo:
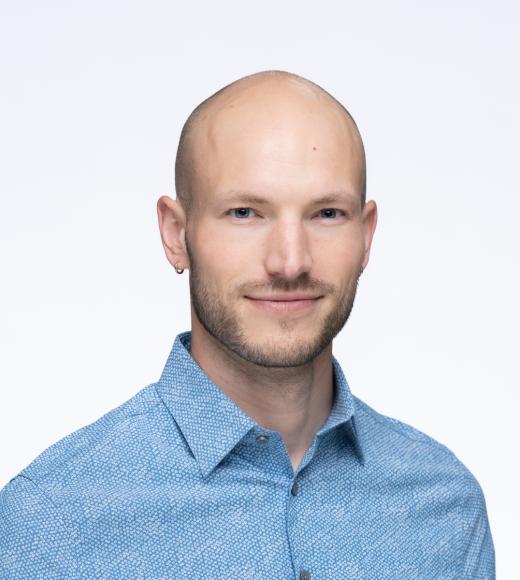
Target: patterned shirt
[178,482]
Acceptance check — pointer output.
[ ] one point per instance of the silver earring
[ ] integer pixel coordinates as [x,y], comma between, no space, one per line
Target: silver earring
[178,270]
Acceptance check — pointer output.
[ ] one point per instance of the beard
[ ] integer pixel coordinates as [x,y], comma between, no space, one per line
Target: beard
[222,322]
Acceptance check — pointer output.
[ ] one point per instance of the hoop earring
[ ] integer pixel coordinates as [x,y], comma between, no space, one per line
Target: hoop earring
[178,270]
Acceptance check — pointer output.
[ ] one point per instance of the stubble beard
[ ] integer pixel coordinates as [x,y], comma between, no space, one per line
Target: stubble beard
[221,321]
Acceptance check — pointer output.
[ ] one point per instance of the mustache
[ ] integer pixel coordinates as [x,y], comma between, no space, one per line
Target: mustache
[303,283]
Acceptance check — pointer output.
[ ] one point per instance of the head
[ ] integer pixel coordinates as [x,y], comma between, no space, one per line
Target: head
[271,183]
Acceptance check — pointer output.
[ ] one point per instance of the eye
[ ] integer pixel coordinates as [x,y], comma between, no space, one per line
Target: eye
[241,212]
[330,212]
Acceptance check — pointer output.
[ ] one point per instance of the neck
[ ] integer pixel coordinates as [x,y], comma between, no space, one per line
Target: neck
[294,401]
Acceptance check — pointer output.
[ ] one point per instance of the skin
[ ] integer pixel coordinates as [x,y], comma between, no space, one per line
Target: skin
[283,141]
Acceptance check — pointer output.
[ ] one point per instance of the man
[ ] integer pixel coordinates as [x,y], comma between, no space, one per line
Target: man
[250,458]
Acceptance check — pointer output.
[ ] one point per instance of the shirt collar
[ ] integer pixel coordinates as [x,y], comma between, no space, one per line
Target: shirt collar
[211,422]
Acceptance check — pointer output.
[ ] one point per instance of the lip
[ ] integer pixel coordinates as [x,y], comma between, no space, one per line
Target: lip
[287,297]
[276,305]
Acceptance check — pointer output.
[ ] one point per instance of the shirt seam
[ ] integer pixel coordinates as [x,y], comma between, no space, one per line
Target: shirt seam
[62,466]
[64,520]
[429,442]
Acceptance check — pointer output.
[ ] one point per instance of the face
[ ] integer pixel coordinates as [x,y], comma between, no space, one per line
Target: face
[277,238]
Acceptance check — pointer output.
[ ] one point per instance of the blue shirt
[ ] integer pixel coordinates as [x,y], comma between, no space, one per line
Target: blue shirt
[179,483]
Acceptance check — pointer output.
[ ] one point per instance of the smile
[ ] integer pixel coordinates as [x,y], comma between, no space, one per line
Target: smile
[283,306]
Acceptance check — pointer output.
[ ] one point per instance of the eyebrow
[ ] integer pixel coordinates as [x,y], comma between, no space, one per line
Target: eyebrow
[249,197]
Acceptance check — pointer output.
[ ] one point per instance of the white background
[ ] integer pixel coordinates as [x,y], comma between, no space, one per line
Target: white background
[93,96]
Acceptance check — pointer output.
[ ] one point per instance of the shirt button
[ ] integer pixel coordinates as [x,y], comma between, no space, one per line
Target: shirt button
[262,439]
[294,488]
[304,575]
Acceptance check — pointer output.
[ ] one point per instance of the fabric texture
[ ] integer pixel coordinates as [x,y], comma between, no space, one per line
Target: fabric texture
[178,482]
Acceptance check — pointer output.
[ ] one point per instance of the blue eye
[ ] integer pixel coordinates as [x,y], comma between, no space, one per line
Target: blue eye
[328,212]
[242,212]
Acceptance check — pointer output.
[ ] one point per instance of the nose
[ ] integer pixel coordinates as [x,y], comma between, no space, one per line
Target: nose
[288,253]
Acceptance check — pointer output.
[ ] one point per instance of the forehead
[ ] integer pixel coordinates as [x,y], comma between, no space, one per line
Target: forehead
[275,141]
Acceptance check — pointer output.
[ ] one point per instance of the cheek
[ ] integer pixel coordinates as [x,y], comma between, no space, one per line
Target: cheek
[338,257]
[224,257]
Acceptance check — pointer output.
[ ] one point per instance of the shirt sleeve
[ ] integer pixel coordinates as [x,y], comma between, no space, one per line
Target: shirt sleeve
[35,541]
[480,554]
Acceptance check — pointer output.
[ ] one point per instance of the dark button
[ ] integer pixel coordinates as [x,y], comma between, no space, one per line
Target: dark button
[304,575]
[262,439]
[294,488]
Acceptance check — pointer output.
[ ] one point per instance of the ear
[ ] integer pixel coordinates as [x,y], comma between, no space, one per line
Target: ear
[172,226]
[369,222]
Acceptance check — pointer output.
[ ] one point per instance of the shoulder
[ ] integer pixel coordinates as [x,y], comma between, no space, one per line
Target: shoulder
[404,449]
[102,446]
[35,539]
[41,507]
[403,462]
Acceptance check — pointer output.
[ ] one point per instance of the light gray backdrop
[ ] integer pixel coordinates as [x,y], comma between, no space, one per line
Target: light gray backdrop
[93,96]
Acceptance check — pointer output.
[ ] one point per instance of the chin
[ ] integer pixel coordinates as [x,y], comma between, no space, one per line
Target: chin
[281,350]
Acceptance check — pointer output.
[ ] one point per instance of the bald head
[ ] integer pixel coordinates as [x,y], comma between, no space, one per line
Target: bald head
[277,105]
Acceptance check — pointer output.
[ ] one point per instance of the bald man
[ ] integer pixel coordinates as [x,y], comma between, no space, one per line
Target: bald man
[250,458]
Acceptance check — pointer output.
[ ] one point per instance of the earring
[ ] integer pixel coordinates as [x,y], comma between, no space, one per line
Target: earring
[178,270]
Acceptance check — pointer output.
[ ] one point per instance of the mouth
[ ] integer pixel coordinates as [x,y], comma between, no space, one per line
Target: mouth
[283,304]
